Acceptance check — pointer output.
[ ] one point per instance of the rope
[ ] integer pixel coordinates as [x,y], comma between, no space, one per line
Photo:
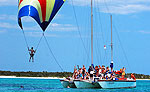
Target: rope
[79,29]
[48,47]
[122,48]
[27,42]
[107,7]
[52,53]
[25,38]
[39,42]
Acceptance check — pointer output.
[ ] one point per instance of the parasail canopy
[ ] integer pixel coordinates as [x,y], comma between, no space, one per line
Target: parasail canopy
[43,11]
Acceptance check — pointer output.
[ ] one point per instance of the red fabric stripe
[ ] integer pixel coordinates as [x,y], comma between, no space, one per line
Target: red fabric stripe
[20,2]
[43,8]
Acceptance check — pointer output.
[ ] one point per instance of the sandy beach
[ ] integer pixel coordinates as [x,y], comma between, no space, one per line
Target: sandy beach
[31,77]
[142,79]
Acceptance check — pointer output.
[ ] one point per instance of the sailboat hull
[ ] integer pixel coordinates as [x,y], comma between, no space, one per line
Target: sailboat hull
[116,84]
[86,84]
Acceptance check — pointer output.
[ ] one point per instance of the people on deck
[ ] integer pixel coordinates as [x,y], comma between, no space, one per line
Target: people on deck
[103,72]
[103,69]
[91,71]
[87,76]
[83,71]
[111,66]
[80,73]
[132,76]
[99,72]
[31,52]
[123,72]
[75,73]
[107,69]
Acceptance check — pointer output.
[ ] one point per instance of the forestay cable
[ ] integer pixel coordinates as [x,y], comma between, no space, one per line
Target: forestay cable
[122,48]
[78,28]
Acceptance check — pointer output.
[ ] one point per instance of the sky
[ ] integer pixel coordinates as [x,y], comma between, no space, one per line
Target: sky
[69,37]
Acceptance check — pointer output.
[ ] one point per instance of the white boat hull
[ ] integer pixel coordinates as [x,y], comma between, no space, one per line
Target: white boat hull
[117,84]
[86,84]
[67,84]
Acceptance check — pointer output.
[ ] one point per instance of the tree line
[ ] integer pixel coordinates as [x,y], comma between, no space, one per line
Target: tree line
[56,74]
[36,74]
[139,76]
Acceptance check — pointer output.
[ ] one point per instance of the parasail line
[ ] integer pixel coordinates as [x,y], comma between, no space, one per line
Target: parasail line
[39,42]
[52,53]
[25,38]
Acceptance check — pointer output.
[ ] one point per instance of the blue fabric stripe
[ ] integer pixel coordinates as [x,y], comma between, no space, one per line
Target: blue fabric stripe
[24,11]
[57,6]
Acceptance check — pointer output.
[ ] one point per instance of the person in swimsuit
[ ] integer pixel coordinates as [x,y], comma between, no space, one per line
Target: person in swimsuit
[79,73]
[31,52]
[123,72]
[75,73]
[83,71]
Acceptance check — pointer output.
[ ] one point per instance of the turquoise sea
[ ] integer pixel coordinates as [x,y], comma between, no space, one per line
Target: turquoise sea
[54,85]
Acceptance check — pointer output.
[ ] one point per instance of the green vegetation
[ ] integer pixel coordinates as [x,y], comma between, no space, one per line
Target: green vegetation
[36,74]
[139,76]
[56,74]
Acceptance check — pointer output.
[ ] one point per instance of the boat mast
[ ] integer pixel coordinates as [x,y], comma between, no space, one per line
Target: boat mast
[91,32]
[111,41]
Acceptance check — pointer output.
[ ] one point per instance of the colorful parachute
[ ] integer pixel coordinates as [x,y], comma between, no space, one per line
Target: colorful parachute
[43,11]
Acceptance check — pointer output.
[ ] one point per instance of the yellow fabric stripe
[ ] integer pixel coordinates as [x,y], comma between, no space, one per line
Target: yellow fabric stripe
[49,8]
[34,3]
[64,0]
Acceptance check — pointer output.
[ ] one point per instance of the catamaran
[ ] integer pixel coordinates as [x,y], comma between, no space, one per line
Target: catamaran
[97,82]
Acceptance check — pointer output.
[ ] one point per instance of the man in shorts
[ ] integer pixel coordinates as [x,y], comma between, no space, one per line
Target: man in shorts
[32,52]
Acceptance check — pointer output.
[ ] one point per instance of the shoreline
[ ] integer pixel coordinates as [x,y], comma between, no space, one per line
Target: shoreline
[31,77]
[142,79]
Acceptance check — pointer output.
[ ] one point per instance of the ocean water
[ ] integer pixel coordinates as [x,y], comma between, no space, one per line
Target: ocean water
[54,85]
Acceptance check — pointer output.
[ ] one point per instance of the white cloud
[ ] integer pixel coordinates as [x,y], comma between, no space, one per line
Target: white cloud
[138,31]
[8,17]
[117,6]
[53,27]
[8,2]
[126,9]
[30,19]
[14,18]
[51,35]
[62,27]
[8,25]
[39,34]
[144,32]
[2,31]
[32,28]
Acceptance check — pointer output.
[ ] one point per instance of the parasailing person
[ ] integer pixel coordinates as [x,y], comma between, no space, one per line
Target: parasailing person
[42,11]
[31,52]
